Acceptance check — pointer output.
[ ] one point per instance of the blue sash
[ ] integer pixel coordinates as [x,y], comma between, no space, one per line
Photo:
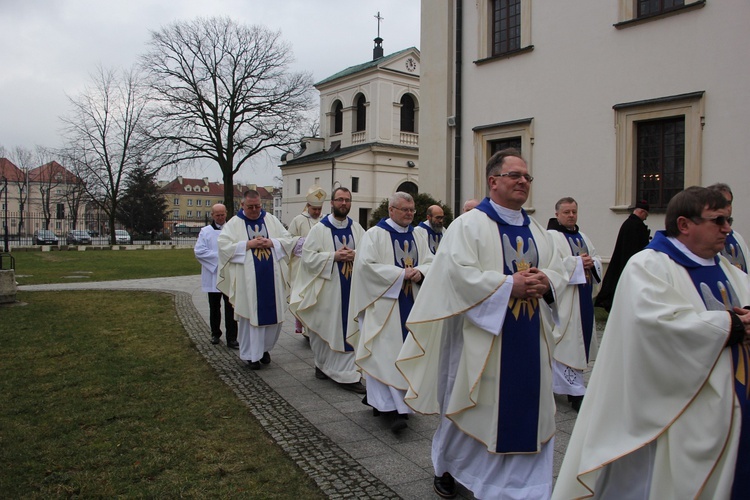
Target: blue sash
[520,366]
[433,238]
[585,290]
[265,287]
[719,295]
[733,252]
[404,255]
[343,237]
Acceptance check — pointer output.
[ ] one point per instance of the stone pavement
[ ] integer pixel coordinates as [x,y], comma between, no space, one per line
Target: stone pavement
[327,431]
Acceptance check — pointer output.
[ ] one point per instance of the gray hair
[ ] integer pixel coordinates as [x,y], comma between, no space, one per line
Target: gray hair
[399,195]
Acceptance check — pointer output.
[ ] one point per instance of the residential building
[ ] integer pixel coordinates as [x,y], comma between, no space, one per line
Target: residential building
[610,102]
[369,124]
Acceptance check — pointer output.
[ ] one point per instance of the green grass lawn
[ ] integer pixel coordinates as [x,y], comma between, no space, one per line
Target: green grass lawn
[34,268]
[104,395]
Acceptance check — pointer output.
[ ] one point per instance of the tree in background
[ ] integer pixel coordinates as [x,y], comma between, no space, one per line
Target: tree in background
[104,137]
[23,158]
[422,202]
[224,92]
[142,208]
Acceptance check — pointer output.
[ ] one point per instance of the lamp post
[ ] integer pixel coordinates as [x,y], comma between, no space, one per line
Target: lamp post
[5,214]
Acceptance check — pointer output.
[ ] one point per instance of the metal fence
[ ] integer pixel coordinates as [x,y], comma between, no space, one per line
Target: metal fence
[21,230]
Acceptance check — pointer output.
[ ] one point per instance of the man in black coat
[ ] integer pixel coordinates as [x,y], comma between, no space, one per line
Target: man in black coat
[632,238]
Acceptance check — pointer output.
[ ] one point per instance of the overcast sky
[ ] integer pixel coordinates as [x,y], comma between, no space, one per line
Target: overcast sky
[48,49]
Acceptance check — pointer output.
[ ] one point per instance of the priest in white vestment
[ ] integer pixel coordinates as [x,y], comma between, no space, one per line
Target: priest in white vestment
[735,248]
[432,228]
[391,262]
[666,414]
[480,348]
[300,226]
[253,252]
[321,292]
[575,331]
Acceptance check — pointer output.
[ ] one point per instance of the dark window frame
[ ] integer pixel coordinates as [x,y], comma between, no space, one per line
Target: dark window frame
[660,160]
[338,117]
[505,27]
[408,114]
[360,120]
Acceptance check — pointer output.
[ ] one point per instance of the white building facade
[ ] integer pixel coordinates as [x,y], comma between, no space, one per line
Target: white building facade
[369,127]
[610,102]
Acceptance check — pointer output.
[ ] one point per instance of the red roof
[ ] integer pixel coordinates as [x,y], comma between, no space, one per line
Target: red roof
[52,172]
[9,171]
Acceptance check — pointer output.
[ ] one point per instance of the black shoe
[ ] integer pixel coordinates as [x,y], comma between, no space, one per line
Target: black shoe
[319,374]
[575,402]
[399,423]
[214,340]
[266,358]
[445,486]
[356,387]
[233,344]
[254,365]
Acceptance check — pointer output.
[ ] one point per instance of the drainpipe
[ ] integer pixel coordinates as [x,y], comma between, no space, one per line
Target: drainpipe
[457,128]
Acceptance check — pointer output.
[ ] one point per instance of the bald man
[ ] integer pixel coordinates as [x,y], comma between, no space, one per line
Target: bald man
[432,228]
[207,252]
[470,205]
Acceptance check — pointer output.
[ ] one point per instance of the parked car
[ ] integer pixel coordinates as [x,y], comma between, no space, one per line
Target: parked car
[122,237]
[93,232]
[78,237]
[44,237]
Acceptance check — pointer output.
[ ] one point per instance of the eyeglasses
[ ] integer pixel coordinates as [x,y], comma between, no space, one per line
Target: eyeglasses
[342,200]
[405,210]
[515,176]
[250,207]
[719,220]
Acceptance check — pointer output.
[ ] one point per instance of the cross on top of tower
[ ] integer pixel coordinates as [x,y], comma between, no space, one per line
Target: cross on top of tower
[379,18]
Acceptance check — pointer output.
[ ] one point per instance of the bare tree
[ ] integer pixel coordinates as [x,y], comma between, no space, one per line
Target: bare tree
[23,158]
[224,92]
[104,137]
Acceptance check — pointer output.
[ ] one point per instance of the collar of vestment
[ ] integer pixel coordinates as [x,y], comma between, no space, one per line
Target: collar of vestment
[502,215]
[678,252]
[427,226]
[241,215]
[554,224]
[332,222]
[216,226]
[390,226]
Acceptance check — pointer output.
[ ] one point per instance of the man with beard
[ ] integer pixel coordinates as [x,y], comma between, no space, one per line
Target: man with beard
[321,291]
[253,252]
[433,227]
[574,336]
[391,262]
[300,226]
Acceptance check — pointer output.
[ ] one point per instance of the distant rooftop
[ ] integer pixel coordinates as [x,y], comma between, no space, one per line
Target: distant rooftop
[351,70]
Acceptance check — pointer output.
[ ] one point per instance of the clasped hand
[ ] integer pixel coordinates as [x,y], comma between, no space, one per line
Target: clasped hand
[259,242]
[531,284]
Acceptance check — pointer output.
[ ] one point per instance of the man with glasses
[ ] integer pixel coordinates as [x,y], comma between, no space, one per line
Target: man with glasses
[432,227]
[480,347]
[254,249]
[735,249]
[667,412]
[300,226]
[321,292]
[391,262]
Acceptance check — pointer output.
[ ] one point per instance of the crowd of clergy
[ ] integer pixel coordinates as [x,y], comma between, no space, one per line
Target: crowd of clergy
[484,321]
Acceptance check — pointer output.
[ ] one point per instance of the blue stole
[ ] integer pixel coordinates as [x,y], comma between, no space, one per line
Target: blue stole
[585,290]
[733,252]
[404,255]
[343,237]
[520,366]
[265,288]
[433,238]
[719,295]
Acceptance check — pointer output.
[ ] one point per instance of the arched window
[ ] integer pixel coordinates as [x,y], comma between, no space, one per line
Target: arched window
[409,187]
[408,121]
[360,123]
[338,117]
